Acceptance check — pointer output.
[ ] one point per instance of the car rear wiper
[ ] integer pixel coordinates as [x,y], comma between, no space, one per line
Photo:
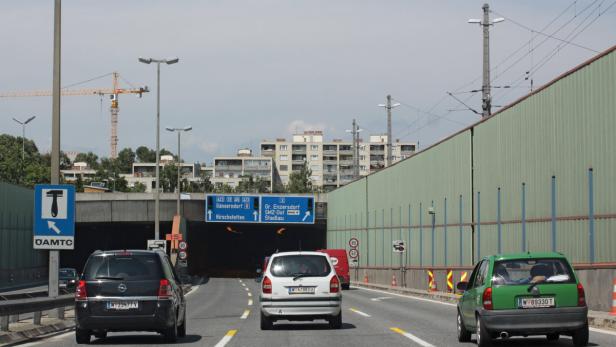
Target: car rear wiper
[296,276]
[108,278]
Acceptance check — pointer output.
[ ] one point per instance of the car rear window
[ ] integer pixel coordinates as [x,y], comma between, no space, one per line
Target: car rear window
[67,273]
[138,267]
[525,271]
[304,265]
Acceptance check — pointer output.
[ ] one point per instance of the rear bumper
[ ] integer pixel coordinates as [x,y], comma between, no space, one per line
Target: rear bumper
[162,318]
[301,308]
[535,321]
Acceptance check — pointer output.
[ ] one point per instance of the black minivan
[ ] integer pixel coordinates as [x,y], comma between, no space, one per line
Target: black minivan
[129,290]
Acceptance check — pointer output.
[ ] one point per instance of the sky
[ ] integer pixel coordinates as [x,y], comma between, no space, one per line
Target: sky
[263,69]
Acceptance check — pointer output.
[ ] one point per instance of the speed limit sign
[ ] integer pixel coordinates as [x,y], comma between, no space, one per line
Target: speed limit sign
[353,242]
[183,255]
[183,245]
[353,253]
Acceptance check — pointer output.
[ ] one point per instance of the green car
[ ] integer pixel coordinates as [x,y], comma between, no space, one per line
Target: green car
[520,295]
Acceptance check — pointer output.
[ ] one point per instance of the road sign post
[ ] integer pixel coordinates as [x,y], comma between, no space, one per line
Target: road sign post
[354,255]
[399,246]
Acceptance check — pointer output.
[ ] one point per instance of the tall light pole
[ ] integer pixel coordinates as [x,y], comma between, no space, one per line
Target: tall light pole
[23,135]
[157,192]
[388,106]
[179,131]
[486,98]
[355,131]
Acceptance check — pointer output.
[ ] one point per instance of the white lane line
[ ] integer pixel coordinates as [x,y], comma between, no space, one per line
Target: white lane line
[243,284]
[245,315]
[246,289]
[226,338]
[412,337]
[406,296]
[602,331]
[249,294]
[360,312]
[381,298]
[194,289]
[239,279]
[249,302]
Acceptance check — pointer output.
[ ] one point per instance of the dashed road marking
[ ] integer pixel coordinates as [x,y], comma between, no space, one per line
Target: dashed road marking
[245,315]
[226,338]
[243,284]
[602,331]
[249,294]
[360,312]
[249,302]
[246,288]
[239,279]
[412,337]
[407,296]
[381,298]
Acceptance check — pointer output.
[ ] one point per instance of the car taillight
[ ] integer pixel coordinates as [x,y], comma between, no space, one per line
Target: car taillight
[581,295]
[80,291]
[267,285]
[334,285]
[487,299]
[164,290]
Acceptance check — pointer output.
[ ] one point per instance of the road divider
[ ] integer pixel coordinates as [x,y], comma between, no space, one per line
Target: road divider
[226,338]
[412,337]
[360,312]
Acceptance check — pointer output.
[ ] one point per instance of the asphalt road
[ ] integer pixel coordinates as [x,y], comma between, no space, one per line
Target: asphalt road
[220,312]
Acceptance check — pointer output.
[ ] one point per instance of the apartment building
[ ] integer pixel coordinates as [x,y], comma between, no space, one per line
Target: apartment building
[78,170]
[331,162]
[232,170]
[145,173]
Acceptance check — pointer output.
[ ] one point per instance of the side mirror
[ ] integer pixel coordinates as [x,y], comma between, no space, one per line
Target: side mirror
[461,286]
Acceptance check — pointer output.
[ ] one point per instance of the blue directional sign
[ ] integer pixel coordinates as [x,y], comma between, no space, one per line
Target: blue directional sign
[287,209]
[232,208]
[54,216]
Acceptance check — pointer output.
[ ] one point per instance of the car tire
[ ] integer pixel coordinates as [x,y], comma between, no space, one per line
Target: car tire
[182,328]
[266,323]
[483,336]
[346,286]
[463,334]
[335,322]
[100,334]
[580,336]
[82,336]
[171,333]
[553,337]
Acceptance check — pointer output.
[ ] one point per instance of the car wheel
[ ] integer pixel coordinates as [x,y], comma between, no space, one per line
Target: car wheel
[553,337]
[171,333]
[580,336]
[82,336]
[483,336]
[335,322]
[100,334]
[463,334]
[182,328]
[266,323]
[346,286]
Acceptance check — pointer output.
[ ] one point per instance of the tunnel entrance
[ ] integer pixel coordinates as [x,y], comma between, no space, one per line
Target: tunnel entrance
[237,250]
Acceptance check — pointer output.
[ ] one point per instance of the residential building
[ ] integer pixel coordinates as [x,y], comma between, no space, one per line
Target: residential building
[78,170]
[145,173]
[331,162]
[231,170]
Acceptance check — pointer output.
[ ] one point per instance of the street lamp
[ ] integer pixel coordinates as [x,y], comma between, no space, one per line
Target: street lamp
[179,131]
[157,193]
[23,135]
[388,106]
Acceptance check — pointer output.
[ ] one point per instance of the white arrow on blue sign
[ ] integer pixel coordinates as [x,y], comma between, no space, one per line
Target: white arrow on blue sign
[54,216]
[287,209]
[232,208]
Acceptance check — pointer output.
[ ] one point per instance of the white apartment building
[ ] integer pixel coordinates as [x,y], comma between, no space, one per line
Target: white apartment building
[232,170]
[331,162]
[145,173]
[79,169]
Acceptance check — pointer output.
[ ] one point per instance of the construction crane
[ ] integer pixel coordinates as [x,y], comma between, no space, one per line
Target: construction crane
[113,93]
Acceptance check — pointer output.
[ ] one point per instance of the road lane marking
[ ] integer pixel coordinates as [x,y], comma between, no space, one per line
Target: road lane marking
[239,279]
[246,288]
[249,294]
[249,302]
[226,338]
[602,331]
[245,315]
[360,312]
[381,298]
[243,284]
[406,296]
[412,337]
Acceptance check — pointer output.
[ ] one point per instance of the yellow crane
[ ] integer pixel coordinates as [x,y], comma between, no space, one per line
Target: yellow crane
[113,92]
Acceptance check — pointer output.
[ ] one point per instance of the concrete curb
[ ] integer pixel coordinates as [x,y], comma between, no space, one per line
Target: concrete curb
[596,319]
[21,336]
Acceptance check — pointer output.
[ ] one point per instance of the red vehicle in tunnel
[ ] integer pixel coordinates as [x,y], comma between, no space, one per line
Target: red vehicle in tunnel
[341,264]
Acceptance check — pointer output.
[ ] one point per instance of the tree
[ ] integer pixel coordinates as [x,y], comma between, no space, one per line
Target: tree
[89,158]
[169,177]
[138,188]
[30,170]
[299,181]
[145,155]
[249,184]
[126,158]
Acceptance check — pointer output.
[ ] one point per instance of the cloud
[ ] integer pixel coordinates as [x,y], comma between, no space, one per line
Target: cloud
[298,126]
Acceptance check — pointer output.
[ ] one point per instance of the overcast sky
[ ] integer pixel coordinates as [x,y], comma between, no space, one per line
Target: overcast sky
[263,69]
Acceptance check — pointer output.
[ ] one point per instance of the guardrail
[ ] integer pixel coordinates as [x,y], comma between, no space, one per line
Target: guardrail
[36,305]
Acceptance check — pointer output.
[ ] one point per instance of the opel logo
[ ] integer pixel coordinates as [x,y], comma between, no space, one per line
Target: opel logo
[122,287]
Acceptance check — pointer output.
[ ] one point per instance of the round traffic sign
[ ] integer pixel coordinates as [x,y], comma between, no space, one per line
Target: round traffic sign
[334,261]
[353,242]
[183,245]
[183,255]
[353,253]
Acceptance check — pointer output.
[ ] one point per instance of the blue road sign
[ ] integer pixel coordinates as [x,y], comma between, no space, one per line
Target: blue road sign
[232,208]
[54,216]
[287,209]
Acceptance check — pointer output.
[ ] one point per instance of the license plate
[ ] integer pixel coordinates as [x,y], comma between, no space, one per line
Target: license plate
[122,305]
[535,302]
[301,290]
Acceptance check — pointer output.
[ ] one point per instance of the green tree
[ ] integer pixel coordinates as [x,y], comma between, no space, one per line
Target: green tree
[249,184]
[145,155]
[126,158]
[138,188]
[89,158]
[33,169]
[169,177]
[299,181]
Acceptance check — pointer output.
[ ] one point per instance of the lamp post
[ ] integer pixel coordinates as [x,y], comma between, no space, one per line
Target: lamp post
[388,106]
[157,192]
[179,131]
[23,135]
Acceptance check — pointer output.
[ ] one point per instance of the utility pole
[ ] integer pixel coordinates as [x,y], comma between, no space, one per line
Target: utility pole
[355,132]
[388,106]
[54,255]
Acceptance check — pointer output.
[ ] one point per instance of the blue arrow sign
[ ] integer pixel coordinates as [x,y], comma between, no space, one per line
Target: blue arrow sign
[232,208]
[287,209]
[54,216]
